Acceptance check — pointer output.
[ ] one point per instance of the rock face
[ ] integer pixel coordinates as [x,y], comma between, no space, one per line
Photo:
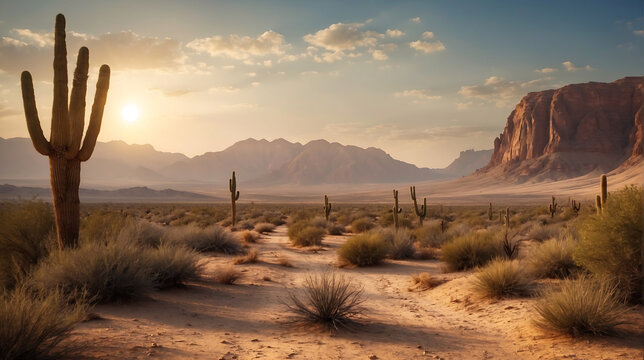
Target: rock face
[571,131]
[468,162]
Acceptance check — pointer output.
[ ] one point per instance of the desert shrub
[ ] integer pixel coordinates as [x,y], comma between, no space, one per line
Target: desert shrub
[580,306]
[553,259]
[471,250]
[245,225]
[284,261]
[303,233]
[400,243]
[335,229]
[26,236]
[213,238]
[611,243]
[501,278]
[170,265]
[423,281]
[107,272]
[227,275]
[363,250]
[250,258]
[544,232]
[143,233]
[361,225]
[424,252]
[35,323]
[328,298]
[249,236]
[264,228]
[387,219]
[104,225]
[430,234]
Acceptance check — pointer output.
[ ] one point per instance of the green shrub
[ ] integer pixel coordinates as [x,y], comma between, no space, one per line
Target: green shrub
[26,235]
[213,238]
[173,266]
[471,250]
[303,233]
[34,324]
[501,278]
[580,306]
[361,225]
[363,250]
[400,243]
[328,298]
[611,243]
[107,272]
[553,259]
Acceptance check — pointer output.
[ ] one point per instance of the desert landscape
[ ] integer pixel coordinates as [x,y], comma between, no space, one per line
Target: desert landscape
[334,191]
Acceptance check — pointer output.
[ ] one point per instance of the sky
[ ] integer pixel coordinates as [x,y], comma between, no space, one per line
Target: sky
[422,80]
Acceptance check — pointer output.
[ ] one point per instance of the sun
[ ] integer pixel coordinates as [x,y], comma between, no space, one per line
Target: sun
[130,113]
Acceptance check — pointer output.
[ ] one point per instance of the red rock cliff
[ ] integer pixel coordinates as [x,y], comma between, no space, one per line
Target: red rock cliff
[599,119]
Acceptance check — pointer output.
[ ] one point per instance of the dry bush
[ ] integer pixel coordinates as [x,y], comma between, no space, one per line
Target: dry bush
[173,266]
[501,278]
[335,229]
[423,281]
[284,261]
[34,324]
[227,275]
[471,250]
[400,243]
[553,259]
[104,225]
[363,250]
[213,238]
[303,233]
[425,253]
[328,299]
[249,236]
[250,258]
[544,232]
[361,225]
[430,234]
[143,233]
[264,228]
[580,306]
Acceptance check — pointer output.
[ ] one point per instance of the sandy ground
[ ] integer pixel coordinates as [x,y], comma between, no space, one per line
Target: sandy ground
[207,320]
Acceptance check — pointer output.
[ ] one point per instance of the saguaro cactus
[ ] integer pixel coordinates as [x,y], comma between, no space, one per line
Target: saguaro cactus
[552,208]
[65,148]
[234,195]
[489,212]
[575,206]
[422,212]
[327,207]
[598,204]
[396,209]
[600,200]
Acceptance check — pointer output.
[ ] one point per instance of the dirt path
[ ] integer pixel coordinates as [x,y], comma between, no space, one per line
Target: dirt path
[248,320]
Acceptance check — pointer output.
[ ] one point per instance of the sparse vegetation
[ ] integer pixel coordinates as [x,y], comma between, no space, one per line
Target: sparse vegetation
[501,278]
[173,266]
[400,243]
[553,259]
[227,275]
[363,250]
[213,238]
[304,233]
[423,281]
[250,258]
[284,261]
[471,250]
[249,236]
[264,228]
[361,225]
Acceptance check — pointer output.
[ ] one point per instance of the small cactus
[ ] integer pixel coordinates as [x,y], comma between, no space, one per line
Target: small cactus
[604,190]
[575,206]
[552,208]
[490,214]
[234,195]
[598,204]
[327,208]
[422,212]
[396,209]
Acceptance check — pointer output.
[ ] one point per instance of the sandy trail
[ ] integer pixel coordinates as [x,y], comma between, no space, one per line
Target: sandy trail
[207,320]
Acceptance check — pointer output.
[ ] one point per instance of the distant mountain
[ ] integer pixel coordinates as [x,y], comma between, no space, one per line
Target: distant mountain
[468,162]
[135,194]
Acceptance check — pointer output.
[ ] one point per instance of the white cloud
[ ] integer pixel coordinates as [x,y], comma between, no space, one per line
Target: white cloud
[418,94]
[388,47]
[255,84]
[427,47]
[229,67]
[309,73]
[252,74]
[638,32]
[428,35]
[569,66]
[38,39]
[502,91]
[394,33]
[415,20]
[546,70]
[342,37]
[379,55]
[226,89]
[172,92]
[462,106]
[241,47]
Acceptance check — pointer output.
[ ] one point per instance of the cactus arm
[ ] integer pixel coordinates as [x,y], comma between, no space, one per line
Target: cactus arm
[237,196]
[96,116]
[31,114]
[604,190]
[598,204]
[59,112]
[77,103]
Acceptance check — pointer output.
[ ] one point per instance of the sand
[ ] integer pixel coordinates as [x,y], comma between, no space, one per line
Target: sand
[248,320]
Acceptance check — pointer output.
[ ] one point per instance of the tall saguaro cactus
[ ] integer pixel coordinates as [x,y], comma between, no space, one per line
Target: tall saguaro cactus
[600,200]
[327,208]
[489,212]
[396,209]
[552,208]
[234,195]
[422,212]
[66,147]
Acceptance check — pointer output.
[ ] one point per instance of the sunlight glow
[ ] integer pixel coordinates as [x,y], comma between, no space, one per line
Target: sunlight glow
[130,113]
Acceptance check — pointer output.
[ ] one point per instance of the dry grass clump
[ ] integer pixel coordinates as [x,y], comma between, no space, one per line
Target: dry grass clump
[35,323]
[284,261]
[335,229]
[249,236]
[501,278]
[553,259]
[400,243]
[328,299]
[363,250]
[471,250]
[303,233]
[580,306]
[430,234]
[143,233]
[250,258]
[227,275]
[264,228]
[423,281]
[425,253]
[361,225]
[104,225]
[213,238]
[173,266]
[541,232]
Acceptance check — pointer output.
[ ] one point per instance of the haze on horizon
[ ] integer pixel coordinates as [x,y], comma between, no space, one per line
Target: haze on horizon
[421,80]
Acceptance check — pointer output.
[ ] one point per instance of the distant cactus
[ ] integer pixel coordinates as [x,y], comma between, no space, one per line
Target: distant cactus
[327,207]
[66,147]
[598,204]
[396,209]
[506,218]
[575,206]
[510,248]
[234,195]
[604,190]
[552,208]
[422,212]
[490,214]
